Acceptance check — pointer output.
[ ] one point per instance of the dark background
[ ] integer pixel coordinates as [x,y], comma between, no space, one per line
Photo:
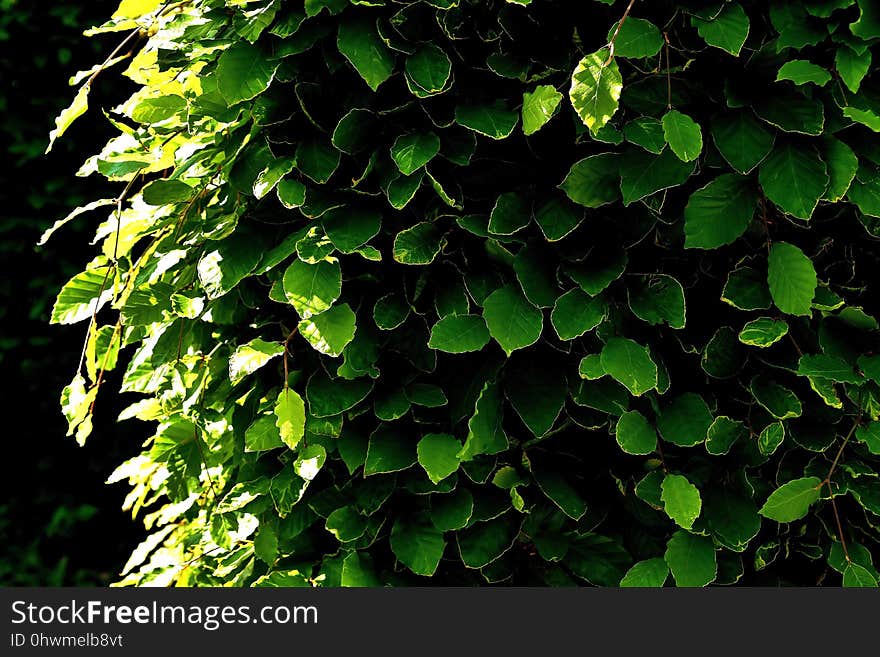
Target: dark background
[59,523]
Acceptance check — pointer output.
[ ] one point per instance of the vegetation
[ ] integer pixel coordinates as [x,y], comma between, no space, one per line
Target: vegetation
[53,496]
[463,292]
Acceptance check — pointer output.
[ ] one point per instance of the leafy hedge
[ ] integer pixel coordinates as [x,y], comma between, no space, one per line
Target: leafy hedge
[522,292]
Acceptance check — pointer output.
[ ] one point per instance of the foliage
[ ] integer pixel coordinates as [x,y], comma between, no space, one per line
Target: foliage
[522,292]
[55,512]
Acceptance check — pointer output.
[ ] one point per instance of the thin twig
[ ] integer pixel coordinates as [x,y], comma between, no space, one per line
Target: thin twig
[827,481]
[617,31]
[668,73]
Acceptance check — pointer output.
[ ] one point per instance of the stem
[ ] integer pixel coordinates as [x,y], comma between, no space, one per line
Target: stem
[827,482]
[119,201]
[617,31]
[116,329]
[839,525]
[112,55]
[849,434]
[766,223]
[82,357]
[196,428]
[284,355]
[668,73]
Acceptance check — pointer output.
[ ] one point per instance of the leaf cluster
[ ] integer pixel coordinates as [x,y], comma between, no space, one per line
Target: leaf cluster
[520,292]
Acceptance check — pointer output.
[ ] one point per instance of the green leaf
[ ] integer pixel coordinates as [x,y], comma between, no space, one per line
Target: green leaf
[720,212]
[429,68]
[458,334]
[722,358]
[266,545]
[796,29]
[658,299]
[413,151]
[629,363]
[438,455]
[771,438]
[162,192]
[560,491]
[791,111]
[723,433]
[76,109]
[646,132]
[309,461]
[557,218]
[354,131]
[418,544]
[827,367]
[791,278]
[852,66]
[418,245]
[262,435]
[842,167]
[681,500]
[244,71]
[538,107]
[451,511]
[781,402]
[794,177]
[636,38]
[493,121]
[329,331]
[350,228]
[868,25]
[537,389]
[83,295]
[725,27]
[312,289]
[221,269]
[634,434]
[801,71]
[643,174]
[346,524]
[602,267]
[513,322]
[685,421]
[763,332]
[290,417]
[741,139]
[360,43]
[317,159]
[855,575]
[576,312]
[329,397]
[75,404]
[389,450]
[731,516]
[268,177]
[593,181]
[691,559]
[683,135]
[870,366]
[792,500]
[250,357]
[482,543]
[357,567]
[648,573]
[746,289]
[595,89]
[510,213]
[291,193]
[402,189]
[485,433]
